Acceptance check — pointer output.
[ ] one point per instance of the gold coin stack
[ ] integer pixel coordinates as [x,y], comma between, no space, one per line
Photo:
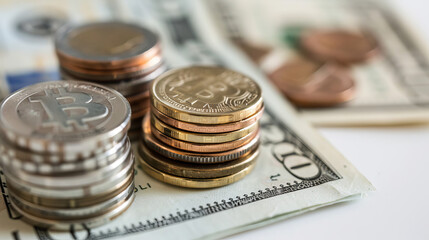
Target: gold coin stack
[122,56]
[203,127]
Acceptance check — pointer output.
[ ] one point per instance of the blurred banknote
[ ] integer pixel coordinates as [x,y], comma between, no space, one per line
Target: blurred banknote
[297,171]
[391,87]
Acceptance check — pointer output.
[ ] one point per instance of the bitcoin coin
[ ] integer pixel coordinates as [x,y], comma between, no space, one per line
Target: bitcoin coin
[196,157]
[194,182]
[191,170]
[67,212]
[339,45]
[202,130]
[310,84]
[202,137]
[55,116]
[72,198]
[65,224]
[206,95]
[209,128]
[47,163]
[197,147]
[65,153]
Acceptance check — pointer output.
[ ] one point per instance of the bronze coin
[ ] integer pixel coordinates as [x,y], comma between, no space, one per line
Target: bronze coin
[197,147]
[339,45]
[192,170]
[140,113]
[143,105]
[194,182]
[114,75]
[136,98]
[196,137]
[310,84]
[196,157]
[208,128]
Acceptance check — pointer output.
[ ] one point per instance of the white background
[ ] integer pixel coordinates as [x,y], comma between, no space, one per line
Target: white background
[394,159]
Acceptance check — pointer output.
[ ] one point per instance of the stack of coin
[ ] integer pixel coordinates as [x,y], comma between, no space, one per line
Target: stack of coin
[203,128]
[66,155]
[123,56]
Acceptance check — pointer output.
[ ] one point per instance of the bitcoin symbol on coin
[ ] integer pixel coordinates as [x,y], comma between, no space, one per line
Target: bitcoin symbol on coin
[66,109]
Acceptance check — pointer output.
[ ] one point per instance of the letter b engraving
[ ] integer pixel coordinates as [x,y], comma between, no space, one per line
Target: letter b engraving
[66,109]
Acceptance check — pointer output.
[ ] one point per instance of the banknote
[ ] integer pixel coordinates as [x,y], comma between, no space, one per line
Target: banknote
[297,170]
[392,87]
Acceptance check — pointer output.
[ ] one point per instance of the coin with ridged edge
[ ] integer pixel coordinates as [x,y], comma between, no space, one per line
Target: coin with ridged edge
[194,182]
[195,157]
[48,164]
[208,128]
[202,137]
[191,170]
[206,95]
[78,224]
[197,147]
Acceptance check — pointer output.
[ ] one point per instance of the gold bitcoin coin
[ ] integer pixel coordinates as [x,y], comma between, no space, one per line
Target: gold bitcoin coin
[206,95]
[202,137]
[192,170]
[194,182]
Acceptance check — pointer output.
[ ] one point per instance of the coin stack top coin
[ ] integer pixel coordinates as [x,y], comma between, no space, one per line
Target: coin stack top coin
[66,155]
[203,127]
[123,56]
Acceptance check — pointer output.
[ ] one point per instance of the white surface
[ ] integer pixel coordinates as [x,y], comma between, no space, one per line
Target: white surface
[394,159]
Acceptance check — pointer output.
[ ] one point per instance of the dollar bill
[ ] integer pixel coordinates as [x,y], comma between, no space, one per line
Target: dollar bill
[297,171]
[392,88]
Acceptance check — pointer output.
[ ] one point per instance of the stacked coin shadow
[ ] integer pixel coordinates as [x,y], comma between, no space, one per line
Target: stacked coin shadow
[203,127]
[122,56]
[66,155]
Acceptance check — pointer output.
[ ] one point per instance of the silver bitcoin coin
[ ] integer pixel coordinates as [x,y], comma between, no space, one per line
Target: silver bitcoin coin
[57,116]
[66,155]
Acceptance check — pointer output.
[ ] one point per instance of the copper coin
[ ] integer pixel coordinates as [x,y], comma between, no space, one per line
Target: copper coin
[138,97]
[192,170]
[140,113]
[186,156]
[309,84]
[140,106]
[133,86]
[208,128]
[196,147]
[127,87]
[114,75]
[108,66]
[202,137]
[339,46]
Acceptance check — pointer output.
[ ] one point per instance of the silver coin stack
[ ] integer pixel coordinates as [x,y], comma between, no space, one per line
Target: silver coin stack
[122,56]
[66,155]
